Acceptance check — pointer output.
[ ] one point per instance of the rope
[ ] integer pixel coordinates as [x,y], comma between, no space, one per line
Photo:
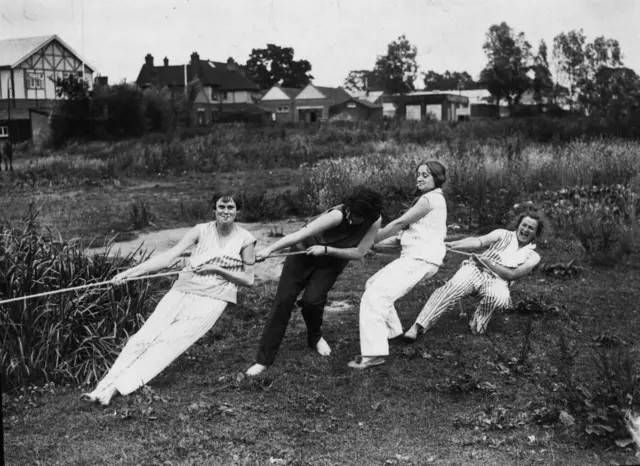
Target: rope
[91,285]
[109,282]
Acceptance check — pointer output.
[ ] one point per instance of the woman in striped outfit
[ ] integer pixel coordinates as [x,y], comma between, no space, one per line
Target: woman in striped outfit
[221,261]
[420,232]
[511,255]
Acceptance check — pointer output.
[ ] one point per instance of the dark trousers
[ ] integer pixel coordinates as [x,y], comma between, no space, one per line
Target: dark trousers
[316,276]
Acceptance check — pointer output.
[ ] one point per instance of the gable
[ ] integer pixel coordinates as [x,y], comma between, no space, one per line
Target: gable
[310,93]
[275,93]
[53,56]
[44,53]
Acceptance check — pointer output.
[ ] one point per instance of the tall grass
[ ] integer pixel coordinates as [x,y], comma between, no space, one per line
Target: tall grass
[70,337]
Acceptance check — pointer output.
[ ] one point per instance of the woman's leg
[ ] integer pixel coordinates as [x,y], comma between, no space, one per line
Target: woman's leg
[495,295]
[313,301]
[467,279]
[293,279]
[160,341]
[157,321]
[378,317]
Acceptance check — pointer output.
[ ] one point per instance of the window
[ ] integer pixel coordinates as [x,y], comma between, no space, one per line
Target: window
[35,81]
[4,131]
[214,96]
[225,96]
[351,105]
[283,109]
[201,117]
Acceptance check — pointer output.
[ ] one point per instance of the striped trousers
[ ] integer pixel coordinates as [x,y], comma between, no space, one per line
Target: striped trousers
[467,280]
[379,319]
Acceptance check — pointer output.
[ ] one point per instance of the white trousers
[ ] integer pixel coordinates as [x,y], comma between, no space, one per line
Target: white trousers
[467,280]
[379,319]
[179,320]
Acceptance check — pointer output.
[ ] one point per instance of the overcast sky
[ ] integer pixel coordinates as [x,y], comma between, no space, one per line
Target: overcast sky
[336,36]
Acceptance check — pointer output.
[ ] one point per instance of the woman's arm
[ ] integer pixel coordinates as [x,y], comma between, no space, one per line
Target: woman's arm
[322,223]
[512,274]
[355,253]
[245,277]
[164,260]
[415,213]
[475,242]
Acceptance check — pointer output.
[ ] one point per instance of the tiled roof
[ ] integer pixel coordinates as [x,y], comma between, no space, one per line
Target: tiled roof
[338,94]
[292,92]
[215,74]
[16,114]
[13,51]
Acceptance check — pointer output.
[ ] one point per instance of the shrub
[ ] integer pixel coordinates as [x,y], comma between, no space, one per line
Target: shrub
[67,337]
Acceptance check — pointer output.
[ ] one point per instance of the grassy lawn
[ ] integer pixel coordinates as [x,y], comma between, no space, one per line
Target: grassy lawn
[104,211]
[450,399]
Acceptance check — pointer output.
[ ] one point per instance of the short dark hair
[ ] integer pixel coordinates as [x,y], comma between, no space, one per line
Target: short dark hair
[535,215]
[227,196]
[437,170]
[364,202]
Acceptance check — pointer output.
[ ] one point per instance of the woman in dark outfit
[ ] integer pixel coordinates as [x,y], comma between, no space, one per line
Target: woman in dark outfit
[342,234]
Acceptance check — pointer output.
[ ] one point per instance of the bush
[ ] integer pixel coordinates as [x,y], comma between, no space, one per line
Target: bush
[67,337]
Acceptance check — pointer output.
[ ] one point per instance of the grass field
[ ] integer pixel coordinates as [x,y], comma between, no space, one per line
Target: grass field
[451,398]
[550,383]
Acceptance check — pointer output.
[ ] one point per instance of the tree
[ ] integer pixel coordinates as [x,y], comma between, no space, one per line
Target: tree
[71,87]
[362,81]
[509,62]
[613,93]
[275,65]
[542,83]
[448,81]
[577,61]
[397,70]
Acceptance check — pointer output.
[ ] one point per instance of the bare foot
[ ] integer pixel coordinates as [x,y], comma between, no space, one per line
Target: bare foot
[322,347]
[255,369]
[412,333]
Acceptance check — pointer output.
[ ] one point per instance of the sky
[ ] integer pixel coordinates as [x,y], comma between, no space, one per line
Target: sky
[335,36]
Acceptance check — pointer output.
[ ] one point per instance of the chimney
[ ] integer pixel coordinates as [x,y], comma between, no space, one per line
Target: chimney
[148,60]
[195,64]
[166,61]
[231,64]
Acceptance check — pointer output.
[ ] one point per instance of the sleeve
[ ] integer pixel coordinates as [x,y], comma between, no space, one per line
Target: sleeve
[436,199]
[248,240]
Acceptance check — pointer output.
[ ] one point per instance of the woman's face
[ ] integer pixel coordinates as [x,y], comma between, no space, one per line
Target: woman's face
[226,211]
[526,231]
[425,182]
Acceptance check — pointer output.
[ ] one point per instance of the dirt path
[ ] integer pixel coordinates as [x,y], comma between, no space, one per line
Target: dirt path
[157,242]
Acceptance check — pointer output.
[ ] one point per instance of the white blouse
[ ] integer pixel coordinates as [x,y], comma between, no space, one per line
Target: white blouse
[424,239]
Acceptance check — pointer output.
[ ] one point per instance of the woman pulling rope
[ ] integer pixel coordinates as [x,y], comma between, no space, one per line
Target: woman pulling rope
[222,260]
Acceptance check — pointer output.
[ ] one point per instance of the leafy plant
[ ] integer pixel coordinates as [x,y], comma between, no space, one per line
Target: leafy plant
[73,336]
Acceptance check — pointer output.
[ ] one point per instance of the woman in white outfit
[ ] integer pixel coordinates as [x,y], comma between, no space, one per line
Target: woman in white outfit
[420,232]
[222,260]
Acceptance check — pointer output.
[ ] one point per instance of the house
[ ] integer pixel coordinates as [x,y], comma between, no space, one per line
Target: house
[309,105]
[420,105]
[223,89]
[28,68]
[356,109]
[280,103]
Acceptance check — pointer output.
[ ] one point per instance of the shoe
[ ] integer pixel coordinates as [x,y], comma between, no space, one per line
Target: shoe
[362,362]
[322,347]
[255,369]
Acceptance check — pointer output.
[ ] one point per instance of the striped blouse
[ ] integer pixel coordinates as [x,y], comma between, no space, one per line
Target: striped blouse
[209,250]
[507,252]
